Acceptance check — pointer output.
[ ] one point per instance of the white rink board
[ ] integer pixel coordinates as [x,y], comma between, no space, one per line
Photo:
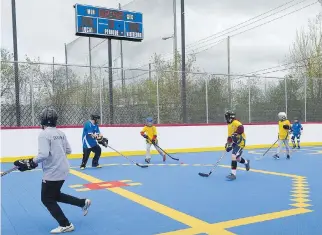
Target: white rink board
[23,142]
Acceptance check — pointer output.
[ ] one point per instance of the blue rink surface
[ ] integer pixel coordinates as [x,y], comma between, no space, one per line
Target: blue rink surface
[172,197]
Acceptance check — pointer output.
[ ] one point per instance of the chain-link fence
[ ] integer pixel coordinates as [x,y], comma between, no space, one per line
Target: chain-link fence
[78,91]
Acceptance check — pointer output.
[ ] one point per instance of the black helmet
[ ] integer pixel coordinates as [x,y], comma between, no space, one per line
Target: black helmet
[48,117]
[95,117]
[230,116]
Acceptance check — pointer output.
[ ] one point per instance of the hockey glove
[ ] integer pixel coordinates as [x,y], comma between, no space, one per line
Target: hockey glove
[228,147]
[154,140]
[25,165]
[103,141]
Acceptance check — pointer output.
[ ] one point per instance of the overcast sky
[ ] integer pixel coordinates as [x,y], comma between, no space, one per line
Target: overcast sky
[45,25]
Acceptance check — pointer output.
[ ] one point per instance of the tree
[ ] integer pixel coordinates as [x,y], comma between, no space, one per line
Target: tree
[306,56]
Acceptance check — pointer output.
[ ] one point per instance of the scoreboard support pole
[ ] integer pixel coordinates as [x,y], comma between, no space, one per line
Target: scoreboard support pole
[183,72]
[110,80]
[16,65]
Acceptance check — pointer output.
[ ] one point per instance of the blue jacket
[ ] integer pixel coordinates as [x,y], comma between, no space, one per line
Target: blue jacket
[296,128]
[88,140]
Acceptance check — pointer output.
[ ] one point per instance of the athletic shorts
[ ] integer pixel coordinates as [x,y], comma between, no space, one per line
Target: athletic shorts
[237,150]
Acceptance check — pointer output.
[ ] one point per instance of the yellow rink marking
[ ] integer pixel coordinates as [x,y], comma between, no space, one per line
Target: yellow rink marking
[300,194]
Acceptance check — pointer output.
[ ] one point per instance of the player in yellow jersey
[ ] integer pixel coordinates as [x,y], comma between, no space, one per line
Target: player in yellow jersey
[149,132]
[284,127]
[236,142]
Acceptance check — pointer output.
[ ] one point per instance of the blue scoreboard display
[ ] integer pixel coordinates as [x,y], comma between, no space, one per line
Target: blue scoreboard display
[108,23]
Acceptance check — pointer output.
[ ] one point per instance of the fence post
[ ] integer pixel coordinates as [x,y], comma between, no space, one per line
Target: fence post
[101,100]
[249,102]
[53,82]
[207,110]
[32,100]
[158,101]
[285,95]
[305,101]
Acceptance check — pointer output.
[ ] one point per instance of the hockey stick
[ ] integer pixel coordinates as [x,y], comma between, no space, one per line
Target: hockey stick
[259,158]
[142,166]
[157,146]
[8,171]
[176,159]
[214,167]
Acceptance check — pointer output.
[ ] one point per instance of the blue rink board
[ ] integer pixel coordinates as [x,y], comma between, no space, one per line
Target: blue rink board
[177,186]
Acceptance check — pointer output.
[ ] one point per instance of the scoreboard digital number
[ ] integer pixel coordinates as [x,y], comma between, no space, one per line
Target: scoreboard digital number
[108,23]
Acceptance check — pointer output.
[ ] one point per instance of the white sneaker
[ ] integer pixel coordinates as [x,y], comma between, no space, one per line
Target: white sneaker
[66,229]
[87,205]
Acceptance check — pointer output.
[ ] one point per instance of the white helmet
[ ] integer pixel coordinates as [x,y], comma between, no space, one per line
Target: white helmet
[281,116]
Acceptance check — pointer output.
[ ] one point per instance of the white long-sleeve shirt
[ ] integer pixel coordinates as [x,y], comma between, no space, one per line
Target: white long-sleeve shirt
[52,149]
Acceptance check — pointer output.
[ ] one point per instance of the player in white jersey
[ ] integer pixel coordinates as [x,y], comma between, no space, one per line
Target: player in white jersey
[52,149]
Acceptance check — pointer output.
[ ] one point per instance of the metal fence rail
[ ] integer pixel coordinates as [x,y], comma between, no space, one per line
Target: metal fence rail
[77,91]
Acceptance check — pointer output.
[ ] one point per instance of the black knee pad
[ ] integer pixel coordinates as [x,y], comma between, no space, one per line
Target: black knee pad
[233,165]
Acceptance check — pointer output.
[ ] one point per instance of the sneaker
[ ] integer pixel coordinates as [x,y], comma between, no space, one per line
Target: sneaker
[82,167]
[97,166]
[288,157]
[61,229]
[276,157]
[247,165]
[164,157]
[231,177]
[298,147]
[147,160]
[87,205]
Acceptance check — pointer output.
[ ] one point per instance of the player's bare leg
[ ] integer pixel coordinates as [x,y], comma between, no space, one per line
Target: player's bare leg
[232,175]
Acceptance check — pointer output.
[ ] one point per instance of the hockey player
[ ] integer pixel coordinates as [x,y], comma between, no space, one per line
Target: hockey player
[236,143]
[52,149]
[284,127]
[296,131]
[149,132]
[91,134]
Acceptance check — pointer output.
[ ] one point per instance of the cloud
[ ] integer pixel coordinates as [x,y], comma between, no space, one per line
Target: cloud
[44,27]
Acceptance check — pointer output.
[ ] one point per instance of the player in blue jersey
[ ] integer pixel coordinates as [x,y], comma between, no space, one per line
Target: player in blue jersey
[296,131]
[91,133]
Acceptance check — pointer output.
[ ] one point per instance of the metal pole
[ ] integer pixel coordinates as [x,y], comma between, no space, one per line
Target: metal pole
[53,82]
[110,78]
[66,67]
[121,51]
[158,100]
[150,75]
[16,65]
[229,79]
[285,95]
[32,100]
[207,110]
[101,99]
[175,38]
[305,101]
[90,64]
[249,100]
[183,70]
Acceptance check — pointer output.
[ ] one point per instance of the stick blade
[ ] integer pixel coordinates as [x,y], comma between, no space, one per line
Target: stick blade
[204,174]
[142,166]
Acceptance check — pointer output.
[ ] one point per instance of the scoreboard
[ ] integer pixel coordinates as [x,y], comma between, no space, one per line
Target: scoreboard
[108,23]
